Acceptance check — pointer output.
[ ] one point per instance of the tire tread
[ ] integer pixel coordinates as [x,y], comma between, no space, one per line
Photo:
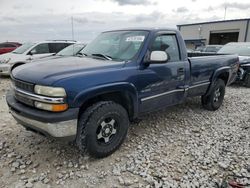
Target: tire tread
[85,125]
[207,100]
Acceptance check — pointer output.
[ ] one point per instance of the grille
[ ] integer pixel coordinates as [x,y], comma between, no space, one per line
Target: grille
[23,85]
[23,99]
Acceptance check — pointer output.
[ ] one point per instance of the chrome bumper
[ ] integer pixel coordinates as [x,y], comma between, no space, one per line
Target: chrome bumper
[57,130]
[5,69]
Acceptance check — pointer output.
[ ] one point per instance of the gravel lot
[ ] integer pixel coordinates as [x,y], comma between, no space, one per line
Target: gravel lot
[183,146]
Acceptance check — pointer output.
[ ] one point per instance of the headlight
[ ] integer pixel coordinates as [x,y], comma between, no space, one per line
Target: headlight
[50,91]
[51,107]
[5,60]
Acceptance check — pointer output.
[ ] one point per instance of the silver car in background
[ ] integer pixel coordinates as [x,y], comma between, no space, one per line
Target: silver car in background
[29,52]
[242,49]
[72,50]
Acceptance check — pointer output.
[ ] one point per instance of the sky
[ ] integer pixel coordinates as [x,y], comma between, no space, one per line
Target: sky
[34,20]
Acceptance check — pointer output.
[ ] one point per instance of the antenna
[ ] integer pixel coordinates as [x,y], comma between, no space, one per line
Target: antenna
[72,27]
[225,14]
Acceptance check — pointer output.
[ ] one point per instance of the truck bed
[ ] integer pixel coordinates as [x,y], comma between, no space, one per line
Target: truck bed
[202,67]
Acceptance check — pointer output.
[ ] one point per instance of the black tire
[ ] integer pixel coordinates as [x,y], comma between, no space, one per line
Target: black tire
[247,80]
[214,100]
[102,128]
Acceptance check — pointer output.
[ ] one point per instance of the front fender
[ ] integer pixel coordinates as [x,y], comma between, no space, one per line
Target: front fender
[122,87]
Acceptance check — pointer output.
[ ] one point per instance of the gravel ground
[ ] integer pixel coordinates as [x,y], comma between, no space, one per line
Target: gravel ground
[183,146]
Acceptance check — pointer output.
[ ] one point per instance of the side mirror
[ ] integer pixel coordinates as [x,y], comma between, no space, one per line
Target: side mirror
[158,57]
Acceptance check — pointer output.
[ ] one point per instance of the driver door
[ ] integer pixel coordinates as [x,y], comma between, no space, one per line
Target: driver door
[162,84]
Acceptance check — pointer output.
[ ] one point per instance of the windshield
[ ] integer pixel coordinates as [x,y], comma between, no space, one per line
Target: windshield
[117,45]
[71,50]
[23,48]
[240,49]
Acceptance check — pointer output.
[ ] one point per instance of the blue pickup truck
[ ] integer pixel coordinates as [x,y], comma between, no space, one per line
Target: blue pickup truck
[120,76]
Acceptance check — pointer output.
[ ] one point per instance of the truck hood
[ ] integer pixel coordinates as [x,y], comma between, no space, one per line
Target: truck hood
[12,57]
[49,71]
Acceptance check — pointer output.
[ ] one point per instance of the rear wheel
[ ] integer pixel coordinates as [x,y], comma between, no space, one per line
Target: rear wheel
[215,99]
[247,80]
[102,128]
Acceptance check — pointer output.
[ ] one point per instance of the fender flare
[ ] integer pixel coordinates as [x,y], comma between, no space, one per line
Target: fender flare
[216,74]
[123,87]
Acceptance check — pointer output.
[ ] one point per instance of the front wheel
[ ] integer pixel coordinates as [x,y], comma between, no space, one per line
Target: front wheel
[102,128]
[214,100]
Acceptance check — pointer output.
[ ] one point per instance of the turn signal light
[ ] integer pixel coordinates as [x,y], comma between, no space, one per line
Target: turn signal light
[59,107]
[51,107]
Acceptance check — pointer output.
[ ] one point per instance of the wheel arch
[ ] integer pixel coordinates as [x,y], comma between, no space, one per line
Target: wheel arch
[16,65]
[221,73]
[124,94]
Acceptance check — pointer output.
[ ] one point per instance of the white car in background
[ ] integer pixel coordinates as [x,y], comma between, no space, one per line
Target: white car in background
[71,50]
[29,52]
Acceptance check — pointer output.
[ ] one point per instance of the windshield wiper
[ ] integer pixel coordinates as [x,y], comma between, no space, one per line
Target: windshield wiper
[102,55]
[80,54]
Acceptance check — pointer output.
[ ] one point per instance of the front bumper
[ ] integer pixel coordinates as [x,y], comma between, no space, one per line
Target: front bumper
[5,69]
[59,125]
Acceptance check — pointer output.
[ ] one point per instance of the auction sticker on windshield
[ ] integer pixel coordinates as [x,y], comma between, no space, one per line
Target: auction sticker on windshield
[135,39]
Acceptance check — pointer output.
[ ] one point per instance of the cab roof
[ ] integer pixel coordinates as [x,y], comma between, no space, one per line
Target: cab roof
[152,29]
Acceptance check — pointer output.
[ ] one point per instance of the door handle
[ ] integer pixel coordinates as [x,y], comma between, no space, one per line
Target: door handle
[181,74]
[181,71]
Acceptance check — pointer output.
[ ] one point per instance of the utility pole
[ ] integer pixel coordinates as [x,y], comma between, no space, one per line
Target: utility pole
[225,14]
[72,27]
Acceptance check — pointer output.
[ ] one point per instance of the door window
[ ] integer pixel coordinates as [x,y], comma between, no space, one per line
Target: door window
[41,49]
[167,43]
[56,47]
